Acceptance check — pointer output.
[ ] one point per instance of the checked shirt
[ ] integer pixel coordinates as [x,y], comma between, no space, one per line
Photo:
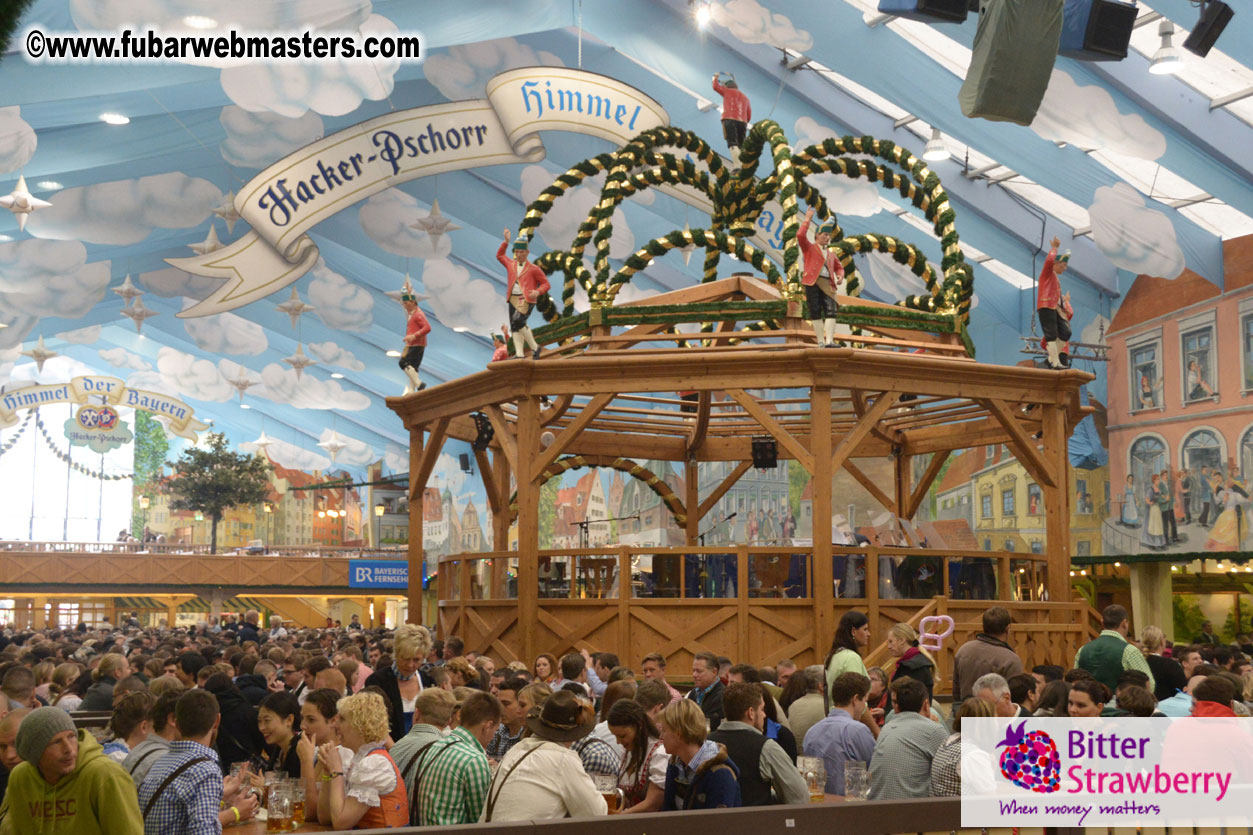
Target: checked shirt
[455,777]
[189,805]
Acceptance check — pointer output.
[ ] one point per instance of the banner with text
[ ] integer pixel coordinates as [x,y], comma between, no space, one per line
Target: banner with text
[378,574]
[179,417]
[1108,771]
[293,195]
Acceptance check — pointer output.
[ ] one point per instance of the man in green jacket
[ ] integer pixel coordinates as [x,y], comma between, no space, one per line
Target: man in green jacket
[66,784]
[1110,653]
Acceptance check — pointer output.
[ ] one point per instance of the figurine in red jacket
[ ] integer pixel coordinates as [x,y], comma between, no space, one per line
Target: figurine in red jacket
[736,113]
[499,341]
[526,283]
[821,274]
[416,330]
[1049,309]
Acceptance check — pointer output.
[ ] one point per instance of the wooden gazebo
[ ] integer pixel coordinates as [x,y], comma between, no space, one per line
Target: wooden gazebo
[604,393]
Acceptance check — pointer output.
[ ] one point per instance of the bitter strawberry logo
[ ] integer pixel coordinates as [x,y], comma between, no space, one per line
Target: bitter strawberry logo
[1030,760]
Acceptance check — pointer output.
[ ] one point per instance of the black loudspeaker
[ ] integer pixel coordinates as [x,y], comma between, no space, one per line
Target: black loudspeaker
[466,466]
[928,11]
[1214,19]
[1097,30]
[765,453]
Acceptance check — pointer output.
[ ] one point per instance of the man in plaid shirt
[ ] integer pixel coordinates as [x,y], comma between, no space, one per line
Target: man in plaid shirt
[512,716]
[453,775]
[190,803]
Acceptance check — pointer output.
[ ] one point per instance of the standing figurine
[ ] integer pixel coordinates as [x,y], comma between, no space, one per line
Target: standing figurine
[526,283]
[416,330]
[500,342]
[821,273]
[1050,308]
[736,113]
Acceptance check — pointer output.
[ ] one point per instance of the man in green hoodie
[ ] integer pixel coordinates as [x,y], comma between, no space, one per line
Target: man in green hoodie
[65,783]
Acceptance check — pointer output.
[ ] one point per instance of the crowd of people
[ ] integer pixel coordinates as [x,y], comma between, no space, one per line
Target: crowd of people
[387,728]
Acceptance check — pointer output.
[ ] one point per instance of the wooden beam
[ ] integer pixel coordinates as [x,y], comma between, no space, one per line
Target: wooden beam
[871,487]
[864,425]
[721,490]
[1056,508]
[528,530]
[507,442]
[691,487]
[572,430]
[859,409]
[1024,447]
[430,454]
[821,535]
[789,441]
[924,484]
[702,421]
[556,410]
[489,483]
[416,517]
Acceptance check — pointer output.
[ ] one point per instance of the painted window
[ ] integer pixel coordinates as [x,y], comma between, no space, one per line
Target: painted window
[1037,547]
[1083,548]
[1246,454]
[1246,336]
[1035,502]
[1146,383]
[1148,456]
[1007,502]
[987,544]
[1198,364]
[987,507]
[1009,545]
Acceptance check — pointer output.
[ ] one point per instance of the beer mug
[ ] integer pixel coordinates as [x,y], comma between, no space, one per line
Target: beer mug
[856,780]
[298,803]
[815,773]
[278,808]
[607,785]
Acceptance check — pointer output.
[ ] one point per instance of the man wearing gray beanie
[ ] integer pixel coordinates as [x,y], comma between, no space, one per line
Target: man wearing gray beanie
[65,783]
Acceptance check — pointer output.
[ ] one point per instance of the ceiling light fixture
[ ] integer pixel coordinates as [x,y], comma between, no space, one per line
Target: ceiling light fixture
[1166,60]
[460,330]
[935,150]
[196,21]
[115,119]
[50,185]
[244,406]
[335,375]
[703,15]
[393,354]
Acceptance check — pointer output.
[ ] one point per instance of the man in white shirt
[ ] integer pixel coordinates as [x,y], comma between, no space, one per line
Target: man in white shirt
[541,778]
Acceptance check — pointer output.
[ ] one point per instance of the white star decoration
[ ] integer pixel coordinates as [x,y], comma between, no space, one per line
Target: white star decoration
[127,290]
[299,360]
[333,445]
[434,224]
[242,383]
[294,307]
[137,313]
[209,244]
[263,442]
[21,203]
[395,295]
[227,212]
[40,354]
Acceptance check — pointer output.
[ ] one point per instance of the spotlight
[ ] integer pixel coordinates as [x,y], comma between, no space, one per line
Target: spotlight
[335,375]
[1214,19]
[703,15]
[483,431]
[765,452]
[1166,60]
[936,150]
[115,119]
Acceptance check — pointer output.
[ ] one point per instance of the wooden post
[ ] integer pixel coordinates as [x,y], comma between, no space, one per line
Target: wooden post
[171,611]
[823,568]
[500,524]
[1057,506]
[414,592]
[872,591]
[903,478]
[40,613]
[528,523]
[691,500]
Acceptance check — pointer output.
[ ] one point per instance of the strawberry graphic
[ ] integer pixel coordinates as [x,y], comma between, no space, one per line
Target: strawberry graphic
[1030,760]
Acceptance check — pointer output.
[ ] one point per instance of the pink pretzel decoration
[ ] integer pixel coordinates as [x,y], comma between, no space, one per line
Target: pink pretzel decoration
[933,640]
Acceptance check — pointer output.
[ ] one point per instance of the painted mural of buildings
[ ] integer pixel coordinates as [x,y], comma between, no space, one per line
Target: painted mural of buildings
[1180,383]
[759,501]
[471,535]
[577,508]
[655,526]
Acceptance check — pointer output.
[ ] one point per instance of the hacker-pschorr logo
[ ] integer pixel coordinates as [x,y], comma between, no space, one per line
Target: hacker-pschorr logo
[1030,760]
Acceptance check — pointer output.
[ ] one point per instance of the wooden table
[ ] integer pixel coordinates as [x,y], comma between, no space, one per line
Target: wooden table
[256,827]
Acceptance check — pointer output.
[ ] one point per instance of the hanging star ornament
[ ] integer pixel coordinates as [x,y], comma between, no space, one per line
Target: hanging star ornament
[690,247]
[263,441]
[295,308]
[209,244]
[333,445]
[228,212]
[40,354]
[21,203]
[137,313]
[405,289]
[434,224]
[299,360]
[128,291]
[242,383]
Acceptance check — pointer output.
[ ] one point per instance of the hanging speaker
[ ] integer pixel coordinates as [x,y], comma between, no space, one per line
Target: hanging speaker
[1011,60]
[466,466]
[1214,19]
[928,11]
[1097,30]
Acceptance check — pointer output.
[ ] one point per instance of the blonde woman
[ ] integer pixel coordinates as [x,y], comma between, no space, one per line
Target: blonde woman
[911,661]
[61,688]
[43,678]
[368,793]
[462,672]
[113,668]
[1168,677]
[403,681]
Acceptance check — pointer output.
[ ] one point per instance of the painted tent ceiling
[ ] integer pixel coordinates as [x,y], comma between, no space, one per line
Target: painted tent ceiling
[1136,173]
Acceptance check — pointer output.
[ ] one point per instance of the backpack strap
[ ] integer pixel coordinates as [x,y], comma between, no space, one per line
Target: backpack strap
[170,779]
[500,785]
[415,804]
[404,772]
